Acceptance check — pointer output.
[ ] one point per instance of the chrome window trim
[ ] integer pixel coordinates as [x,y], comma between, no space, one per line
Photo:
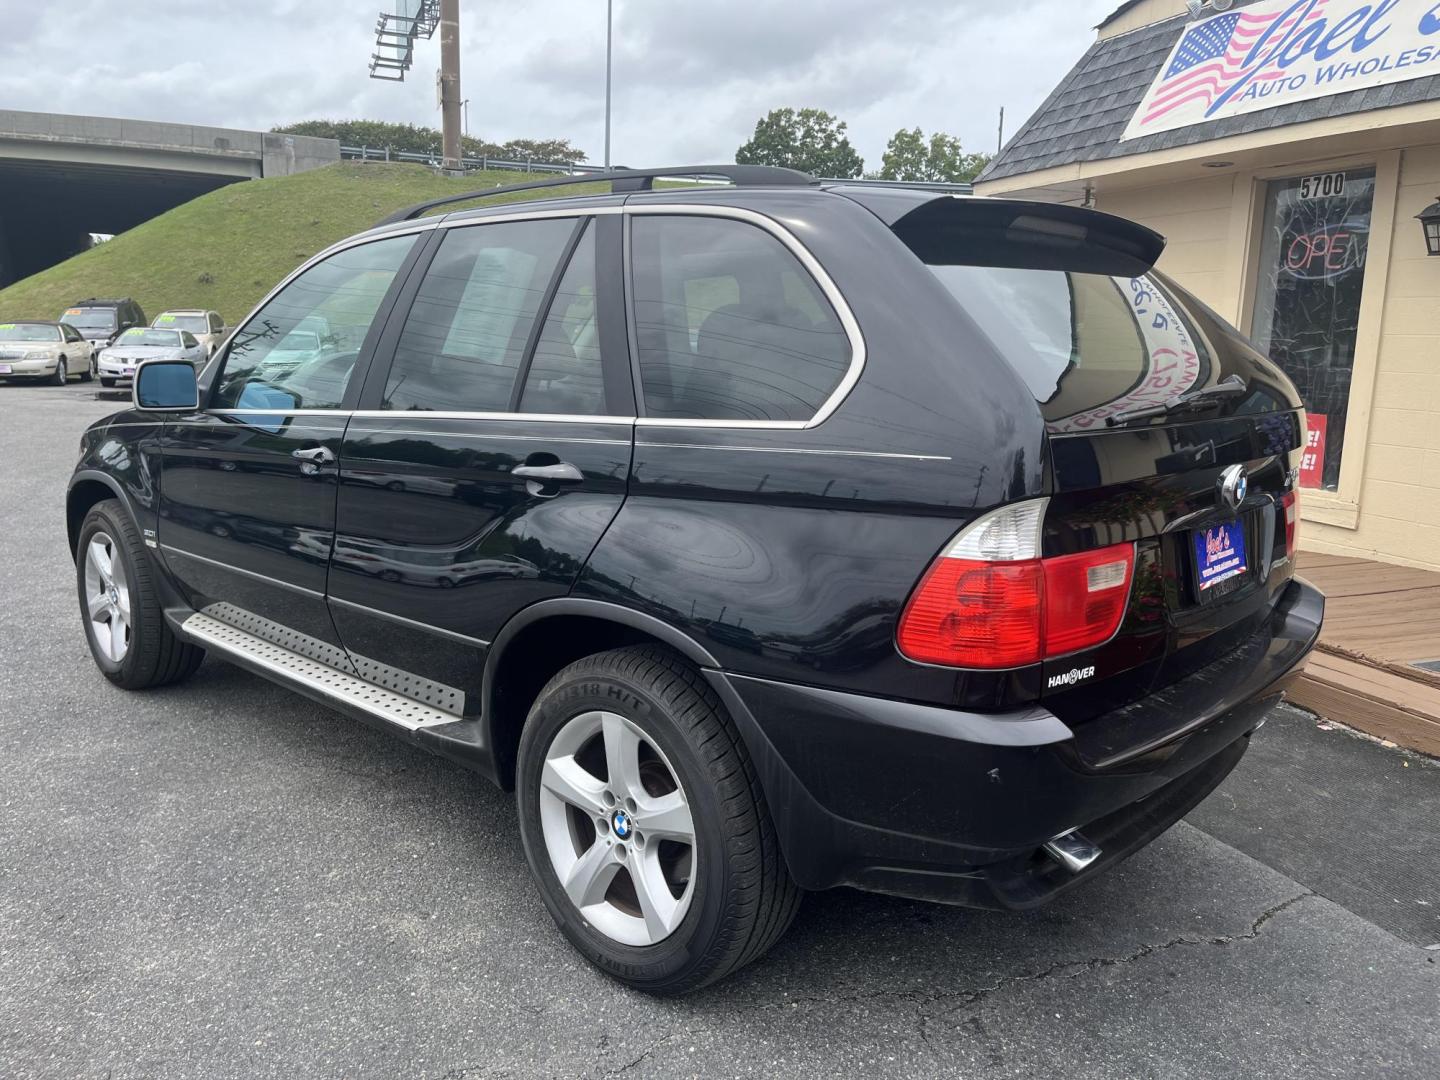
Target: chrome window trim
[441,433]
[439,631]
[409,416]
[791,242]
[817,273]
[795,450]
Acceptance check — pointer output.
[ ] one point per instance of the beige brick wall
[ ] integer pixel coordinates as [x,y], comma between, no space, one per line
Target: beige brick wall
[1400,494]
[1194,217]
[1205,222]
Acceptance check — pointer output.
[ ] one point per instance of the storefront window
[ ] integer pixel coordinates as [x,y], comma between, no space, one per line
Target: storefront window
[1312,266]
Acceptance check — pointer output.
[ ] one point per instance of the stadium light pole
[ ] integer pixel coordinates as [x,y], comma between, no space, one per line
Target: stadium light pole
[609,42]
[450,84]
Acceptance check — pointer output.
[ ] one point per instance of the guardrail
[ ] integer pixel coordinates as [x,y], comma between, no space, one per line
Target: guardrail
[372,153]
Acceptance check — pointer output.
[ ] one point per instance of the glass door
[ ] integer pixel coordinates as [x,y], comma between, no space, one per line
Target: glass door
[1313,248]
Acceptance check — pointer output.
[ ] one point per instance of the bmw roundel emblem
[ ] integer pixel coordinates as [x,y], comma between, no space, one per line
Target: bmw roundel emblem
[622,824]
[1234,486]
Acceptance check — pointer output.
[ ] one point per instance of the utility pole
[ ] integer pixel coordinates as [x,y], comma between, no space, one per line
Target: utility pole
[450,84]
[1000,138]
[609,43]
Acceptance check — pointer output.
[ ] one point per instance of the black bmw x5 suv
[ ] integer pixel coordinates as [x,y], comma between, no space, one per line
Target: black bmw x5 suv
[762,537]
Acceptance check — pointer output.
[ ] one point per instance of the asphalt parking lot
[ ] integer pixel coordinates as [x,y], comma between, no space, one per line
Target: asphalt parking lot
[223,879]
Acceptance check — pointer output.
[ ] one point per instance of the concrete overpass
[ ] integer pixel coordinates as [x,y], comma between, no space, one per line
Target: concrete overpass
[64,177]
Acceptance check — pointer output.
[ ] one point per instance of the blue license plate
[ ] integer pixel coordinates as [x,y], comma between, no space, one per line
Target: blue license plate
[1219,554]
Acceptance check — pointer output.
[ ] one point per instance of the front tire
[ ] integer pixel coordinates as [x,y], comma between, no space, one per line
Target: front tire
[62,373]
[120,606]
[644,825]
[108,384]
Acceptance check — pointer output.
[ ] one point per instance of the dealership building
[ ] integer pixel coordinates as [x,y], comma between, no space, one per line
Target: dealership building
[1290,154]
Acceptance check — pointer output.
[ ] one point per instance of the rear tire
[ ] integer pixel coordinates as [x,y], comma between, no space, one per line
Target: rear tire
[111,559]
[737,897]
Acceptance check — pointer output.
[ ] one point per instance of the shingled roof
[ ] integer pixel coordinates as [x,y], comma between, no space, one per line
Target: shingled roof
[1083,117]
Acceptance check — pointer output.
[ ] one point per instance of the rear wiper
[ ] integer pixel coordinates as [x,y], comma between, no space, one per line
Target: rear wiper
[1194,401]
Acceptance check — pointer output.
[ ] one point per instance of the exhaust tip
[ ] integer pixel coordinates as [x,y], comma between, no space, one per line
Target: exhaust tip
[1072,851]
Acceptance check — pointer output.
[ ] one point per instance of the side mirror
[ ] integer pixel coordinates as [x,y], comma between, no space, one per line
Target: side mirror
[166,386]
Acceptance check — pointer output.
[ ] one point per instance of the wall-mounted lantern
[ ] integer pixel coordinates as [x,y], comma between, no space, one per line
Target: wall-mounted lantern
[1429,219]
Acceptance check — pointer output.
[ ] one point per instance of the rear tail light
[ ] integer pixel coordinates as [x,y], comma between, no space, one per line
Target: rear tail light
[990,601]
[1290,504]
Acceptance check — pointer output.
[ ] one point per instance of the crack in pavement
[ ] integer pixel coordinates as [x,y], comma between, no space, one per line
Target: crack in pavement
[957,1000]
[1075,968]
[642,1056]
[1072,967]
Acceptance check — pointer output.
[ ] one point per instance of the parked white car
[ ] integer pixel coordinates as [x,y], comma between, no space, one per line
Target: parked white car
[148,343]
[43,350]
[207,327]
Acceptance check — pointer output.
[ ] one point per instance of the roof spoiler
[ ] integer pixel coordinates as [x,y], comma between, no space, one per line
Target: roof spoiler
[1028,235]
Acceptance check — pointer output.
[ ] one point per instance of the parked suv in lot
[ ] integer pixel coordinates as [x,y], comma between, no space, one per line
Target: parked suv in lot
[761,538]
[101,321]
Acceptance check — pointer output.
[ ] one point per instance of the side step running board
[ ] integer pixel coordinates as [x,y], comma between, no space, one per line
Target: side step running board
[321,680]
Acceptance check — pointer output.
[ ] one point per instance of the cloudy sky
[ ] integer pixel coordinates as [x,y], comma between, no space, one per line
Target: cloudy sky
[691,78]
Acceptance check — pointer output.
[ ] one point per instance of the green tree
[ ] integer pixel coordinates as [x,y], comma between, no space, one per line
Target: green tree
[810,140]
[910,157]
[410,138]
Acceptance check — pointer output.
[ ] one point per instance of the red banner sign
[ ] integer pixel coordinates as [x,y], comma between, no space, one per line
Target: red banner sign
[1312,461]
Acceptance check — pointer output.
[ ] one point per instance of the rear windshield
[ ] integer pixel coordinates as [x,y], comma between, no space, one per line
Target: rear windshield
[140,336]
[1087,345]
[28,332]
[90,318]
[196,324]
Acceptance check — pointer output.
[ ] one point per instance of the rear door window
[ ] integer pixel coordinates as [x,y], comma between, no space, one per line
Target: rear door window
[728,324]
[467,330]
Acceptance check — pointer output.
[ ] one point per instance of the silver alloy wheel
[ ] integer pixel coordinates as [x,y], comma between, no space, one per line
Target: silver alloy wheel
[618,828]
[107,597]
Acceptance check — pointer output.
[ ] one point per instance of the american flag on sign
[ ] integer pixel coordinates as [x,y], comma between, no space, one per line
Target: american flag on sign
[1212,56]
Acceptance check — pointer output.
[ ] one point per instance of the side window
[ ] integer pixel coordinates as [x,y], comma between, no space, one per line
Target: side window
[466,333]
[565,375]
[297,352]
[215,324]
[729,325]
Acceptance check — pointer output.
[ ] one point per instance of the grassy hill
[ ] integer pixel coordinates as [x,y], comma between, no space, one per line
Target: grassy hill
[225,250]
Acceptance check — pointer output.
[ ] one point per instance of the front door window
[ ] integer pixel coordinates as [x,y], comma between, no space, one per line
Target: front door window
[1313,249]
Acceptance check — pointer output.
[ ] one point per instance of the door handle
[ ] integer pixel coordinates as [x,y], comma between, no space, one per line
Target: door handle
[561,473]
[315,455]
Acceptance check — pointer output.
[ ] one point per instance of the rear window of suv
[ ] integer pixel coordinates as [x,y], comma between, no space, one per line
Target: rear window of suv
[1087,345]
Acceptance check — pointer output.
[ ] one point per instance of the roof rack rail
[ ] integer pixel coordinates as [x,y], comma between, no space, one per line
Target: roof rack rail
[627,180]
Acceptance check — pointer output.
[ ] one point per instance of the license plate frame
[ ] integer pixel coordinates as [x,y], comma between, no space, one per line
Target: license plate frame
[1220,558]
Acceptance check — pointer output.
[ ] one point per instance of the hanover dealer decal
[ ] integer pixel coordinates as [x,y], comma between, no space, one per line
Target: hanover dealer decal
[1278,51]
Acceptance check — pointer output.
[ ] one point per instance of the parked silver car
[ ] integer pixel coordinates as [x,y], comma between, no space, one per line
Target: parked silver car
[148,343]
[43,350]
[207,326]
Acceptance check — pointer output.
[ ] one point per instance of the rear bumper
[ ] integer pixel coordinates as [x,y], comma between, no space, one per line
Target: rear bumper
[921,801]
